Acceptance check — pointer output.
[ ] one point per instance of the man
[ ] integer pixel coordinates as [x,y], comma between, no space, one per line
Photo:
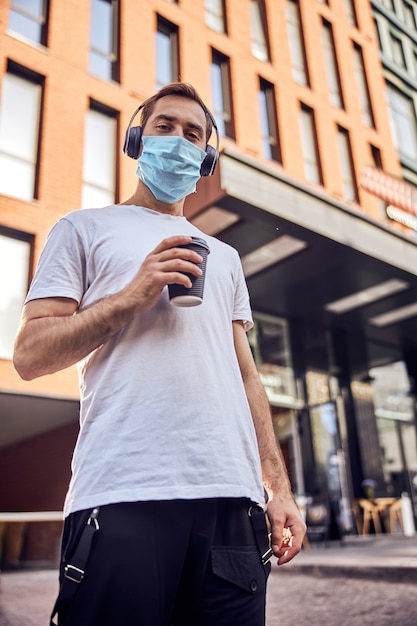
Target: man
[176,441]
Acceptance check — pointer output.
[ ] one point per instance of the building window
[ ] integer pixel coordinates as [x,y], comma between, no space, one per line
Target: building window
[15,255]
[409,16]
[388,4]
[350,12]
[215,15]
[403,121]
[362,86]
[268,113]
[221,90]
[19,134]
[259,32]
[296,41]
[312,169]
[397,51]
[377,162]
[335,90]
[166,53]
[104,39]
[29,19]
[378,34]
[99,167]
[346,164]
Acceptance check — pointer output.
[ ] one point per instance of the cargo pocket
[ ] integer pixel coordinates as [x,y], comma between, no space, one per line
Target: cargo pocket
[240,567]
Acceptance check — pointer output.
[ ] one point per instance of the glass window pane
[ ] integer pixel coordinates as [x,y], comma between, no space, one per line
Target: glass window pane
[215,17]
[27,18]
[15,255]
[258,30]
[19,132]
[309,146]
[403,120]
[296,42]
[348,177]
[17,178]
[99,175]
[331,66]
[163,59]
[94,197]
[101,33]
[103,58]
[362,85]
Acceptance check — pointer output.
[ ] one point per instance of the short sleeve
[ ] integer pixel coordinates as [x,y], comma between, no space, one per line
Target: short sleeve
[241,310]
[61,268]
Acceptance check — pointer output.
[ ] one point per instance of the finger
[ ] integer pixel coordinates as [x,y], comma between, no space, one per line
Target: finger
[172,242]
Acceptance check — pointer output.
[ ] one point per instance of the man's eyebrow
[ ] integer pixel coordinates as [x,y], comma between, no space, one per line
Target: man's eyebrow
[163,117]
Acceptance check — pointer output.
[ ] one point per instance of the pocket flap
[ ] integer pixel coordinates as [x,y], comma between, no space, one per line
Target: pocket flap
[240,567]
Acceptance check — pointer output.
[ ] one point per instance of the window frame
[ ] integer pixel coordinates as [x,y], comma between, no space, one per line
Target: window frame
[112,58]
[101,109]
[37,80]
[169,30]
[307,113]
[41,20]
[350,187]
[296,44]
[266,95]
[224,117]
[29,239]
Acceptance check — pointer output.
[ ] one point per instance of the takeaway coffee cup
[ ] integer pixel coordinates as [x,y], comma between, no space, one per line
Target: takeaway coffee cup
[193,296]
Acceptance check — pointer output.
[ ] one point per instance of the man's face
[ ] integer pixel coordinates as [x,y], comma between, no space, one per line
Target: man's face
[178,116]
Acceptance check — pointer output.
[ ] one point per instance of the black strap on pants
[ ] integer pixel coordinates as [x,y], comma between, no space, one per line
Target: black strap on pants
[75,570]
[257,516]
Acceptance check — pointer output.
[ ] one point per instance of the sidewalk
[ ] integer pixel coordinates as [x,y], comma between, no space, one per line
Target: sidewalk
[388,557]
[26,597]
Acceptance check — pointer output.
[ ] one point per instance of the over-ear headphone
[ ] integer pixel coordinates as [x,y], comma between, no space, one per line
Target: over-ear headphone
[133,136]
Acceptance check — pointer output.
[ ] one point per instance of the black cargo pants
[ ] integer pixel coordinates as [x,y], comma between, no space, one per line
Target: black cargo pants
[169,563]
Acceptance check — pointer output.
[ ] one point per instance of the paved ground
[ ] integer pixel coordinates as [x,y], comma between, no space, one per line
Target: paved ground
[363,582]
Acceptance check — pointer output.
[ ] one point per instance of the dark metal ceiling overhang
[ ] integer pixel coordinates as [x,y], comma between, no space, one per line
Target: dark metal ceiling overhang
[345,252]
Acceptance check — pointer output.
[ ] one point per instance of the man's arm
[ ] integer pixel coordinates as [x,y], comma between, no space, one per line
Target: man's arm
[55,334]
[281,509]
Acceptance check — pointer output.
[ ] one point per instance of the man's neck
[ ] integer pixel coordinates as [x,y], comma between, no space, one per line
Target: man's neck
[144,197]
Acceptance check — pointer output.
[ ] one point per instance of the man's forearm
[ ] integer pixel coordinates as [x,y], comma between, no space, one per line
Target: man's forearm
[49,344]
[274,472]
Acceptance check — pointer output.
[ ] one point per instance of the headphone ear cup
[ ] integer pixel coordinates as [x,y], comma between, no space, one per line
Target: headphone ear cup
[209,163]
[131,145]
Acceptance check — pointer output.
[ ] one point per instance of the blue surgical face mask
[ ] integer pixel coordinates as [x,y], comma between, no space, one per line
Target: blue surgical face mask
[169,166]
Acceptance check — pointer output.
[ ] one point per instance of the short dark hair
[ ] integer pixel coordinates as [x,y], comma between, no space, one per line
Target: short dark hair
[184,90]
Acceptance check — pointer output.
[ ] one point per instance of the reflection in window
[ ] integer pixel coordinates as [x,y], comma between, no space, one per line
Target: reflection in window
[19,135]
[362,85]
[296,41]
[259,32]
[403,120]
[99,174]
[215,15]
[222,100]
[335,90]
[346,165]
[15,250]
[166,52]
[269,341]
[312,169]
[268,113]
[104,39]
[29,18]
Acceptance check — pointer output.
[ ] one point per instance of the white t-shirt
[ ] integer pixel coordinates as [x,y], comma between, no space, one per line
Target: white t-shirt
[164,414]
